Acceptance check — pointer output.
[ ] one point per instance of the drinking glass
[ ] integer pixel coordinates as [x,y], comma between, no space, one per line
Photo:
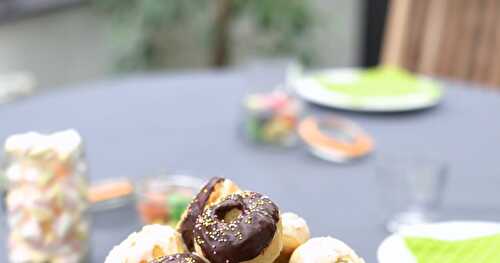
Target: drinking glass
[411,189]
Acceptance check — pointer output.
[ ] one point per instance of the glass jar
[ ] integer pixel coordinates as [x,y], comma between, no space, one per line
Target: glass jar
[271,118]
[163,199]
[46,198]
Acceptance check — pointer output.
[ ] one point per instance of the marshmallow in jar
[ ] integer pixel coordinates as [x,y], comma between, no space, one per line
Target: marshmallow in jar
[46,198]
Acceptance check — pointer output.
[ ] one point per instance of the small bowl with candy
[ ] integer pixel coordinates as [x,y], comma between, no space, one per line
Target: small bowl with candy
[162,199]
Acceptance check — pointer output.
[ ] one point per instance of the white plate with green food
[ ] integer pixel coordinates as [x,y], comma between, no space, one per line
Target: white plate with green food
[381,89]
[450,242]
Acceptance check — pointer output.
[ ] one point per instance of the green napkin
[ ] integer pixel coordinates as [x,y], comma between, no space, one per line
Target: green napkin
[477,250]
[384,81]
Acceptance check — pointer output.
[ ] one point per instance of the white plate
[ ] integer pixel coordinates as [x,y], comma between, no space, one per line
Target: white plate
[311,90]
[393,248]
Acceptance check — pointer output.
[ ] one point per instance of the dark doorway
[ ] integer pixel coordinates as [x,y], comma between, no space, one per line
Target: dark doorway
[375,12]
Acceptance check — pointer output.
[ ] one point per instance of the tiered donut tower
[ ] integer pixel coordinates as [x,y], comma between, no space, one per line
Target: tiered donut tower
[224,224]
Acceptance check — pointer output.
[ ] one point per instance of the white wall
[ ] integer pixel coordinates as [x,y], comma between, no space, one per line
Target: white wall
[334,38]
[73,45]
[62,47]
[337,39]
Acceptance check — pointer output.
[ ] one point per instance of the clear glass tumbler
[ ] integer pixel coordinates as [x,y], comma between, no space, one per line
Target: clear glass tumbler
[411,189]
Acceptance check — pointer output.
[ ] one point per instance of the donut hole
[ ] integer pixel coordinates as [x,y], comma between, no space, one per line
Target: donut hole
[229,213]
[232,214]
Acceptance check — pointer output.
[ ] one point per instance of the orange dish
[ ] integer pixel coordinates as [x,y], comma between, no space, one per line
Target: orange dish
[346,141]
[110,190]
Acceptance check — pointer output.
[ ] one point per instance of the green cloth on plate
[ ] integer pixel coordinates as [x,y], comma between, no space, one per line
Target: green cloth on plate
[380,82]
[477,250]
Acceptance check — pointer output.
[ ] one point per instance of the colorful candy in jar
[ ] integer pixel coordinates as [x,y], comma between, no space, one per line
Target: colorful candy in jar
[163,200]
[272,118]
[46,198]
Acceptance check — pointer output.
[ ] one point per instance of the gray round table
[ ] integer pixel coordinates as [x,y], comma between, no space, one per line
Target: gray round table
[138,125]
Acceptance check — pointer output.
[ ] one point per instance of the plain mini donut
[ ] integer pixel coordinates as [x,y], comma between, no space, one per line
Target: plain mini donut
[295,233]
[325,250]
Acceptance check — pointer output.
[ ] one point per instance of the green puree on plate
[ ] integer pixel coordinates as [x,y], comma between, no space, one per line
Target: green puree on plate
[480,250]
[380,82]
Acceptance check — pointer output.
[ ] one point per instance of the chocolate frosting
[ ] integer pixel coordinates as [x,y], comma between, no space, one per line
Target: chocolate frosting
[179,258]
[245,237]
[194,210]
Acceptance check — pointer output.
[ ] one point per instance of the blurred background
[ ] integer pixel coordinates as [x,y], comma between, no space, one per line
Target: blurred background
[68,41]
[215,87]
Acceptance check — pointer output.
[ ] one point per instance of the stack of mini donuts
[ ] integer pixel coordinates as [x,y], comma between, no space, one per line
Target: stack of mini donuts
[224,224]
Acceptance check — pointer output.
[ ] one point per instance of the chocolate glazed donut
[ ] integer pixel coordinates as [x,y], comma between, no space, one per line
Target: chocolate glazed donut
[179,258]
[195,209]
[243,237]
[215,189]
